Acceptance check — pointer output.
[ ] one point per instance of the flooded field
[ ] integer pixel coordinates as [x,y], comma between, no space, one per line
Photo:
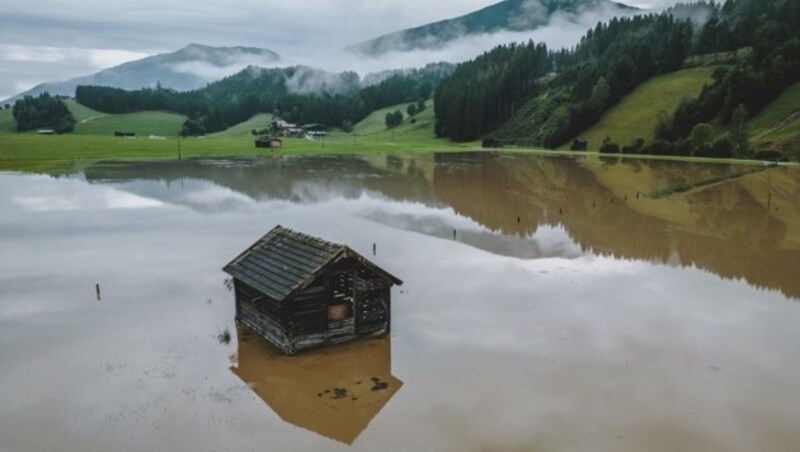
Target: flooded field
[549,304]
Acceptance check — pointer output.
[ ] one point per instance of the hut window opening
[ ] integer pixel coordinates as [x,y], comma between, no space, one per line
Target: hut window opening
[341,305]
[339,312]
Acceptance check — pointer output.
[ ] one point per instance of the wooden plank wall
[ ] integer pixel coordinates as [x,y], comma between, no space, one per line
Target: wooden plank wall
[308,317]
[264,316]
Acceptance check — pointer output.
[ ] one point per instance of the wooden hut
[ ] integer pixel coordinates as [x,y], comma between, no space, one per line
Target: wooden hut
[300,292]
[268,142]
[579,144]
[491,143]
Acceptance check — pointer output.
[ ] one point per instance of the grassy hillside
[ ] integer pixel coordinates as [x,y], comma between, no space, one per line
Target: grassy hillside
[81,113]
[376,121]
[143,124]
[417,130]
[635,116]
[7,123]
[780,121]
[259,122]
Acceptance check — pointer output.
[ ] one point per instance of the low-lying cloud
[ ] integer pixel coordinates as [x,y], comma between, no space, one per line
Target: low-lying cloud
[103,34]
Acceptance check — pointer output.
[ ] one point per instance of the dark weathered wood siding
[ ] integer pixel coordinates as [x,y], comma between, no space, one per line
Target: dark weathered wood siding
[308,319]
[262,314]
[346,282]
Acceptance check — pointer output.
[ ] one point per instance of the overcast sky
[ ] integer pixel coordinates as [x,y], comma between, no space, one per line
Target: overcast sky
[50,40]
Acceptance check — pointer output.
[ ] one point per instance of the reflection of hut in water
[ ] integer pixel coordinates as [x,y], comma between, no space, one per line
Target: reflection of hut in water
[335,392]
[301,292]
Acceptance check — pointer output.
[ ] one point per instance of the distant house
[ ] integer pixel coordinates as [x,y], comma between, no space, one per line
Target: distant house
[294,132]
[315,130]
[268,142]
[492,143]
[301,292]
[579,144]
[46,131]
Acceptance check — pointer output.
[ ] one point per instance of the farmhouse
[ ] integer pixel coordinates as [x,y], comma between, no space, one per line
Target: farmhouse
[315,130]
[268,142]
[300,292]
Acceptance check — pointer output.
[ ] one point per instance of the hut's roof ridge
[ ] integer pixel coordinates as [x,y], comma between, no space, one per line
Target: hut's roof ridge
[284,261]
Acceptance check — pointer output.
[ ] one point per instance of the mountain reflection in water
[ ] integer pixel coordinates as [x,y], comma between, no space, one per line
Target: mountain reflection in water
[743,227]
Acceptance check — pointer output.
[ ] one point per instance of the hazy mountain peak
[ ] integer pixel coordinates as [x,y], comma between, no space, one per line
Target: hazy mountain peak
[508,15]
[188,68]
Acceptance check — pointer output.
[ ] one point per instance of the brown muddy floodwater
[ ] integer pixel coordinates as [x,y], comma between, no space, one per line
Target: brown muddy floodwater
[578,307]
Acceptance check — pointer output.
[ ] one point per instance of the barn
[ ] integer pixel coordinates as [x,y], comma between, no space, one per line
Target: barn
[491,143]
[579,144]
[300,292]
[268,142]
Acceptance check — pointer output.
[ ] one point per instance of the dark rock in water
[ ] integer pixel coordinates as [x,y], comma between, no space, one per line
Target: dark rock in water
[339,393]
[378,384]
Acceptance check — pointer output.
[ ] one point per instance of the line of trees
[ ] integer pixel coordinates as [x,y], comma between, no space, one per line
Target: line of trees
[609,62]
[235,99]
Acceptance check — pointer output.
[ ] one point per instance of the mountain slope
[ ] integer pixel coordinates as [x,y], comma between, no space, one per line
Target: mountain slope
[778,125]
[508,15]
[189,68]
[636,114]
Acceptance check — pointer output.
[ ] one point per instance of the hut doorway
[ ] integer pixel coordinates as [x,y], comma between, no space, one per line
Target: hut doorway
[341,306]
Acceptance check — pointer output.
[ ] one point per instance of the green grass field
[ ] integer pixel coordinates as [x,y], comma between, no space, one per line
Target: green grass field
[7,123]
[635,116]
[144,124]
[57,154]
[80,112]
[771,124]
[258,122]
[418,130]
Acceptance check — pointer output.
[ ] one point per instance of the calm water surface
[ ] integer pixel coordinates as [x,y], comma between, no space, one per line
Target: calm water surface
[571,311]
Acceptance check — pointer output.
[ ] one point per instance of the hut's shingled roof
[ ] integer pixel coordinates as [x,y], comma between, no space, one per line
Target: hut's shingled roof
[285,261]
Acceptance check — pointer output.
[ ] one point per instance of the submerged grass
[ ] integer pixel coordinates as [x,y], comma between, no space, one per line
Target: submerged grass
[685,187]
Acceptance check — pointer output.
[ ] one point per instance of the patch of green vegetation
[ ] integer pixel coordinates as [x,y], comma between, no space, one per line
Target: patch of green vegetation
[635,116]
[773,122]
[717,58]
[80,112]
[144,124]
[417,129]
[684,187]
[7,123]
[52,153]
[375,122]
[259,122]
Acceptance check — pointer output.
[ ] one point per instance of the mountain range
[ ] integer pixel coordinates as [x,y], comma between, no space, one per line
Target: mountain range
[508,15]
[191,67]
[196,65]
